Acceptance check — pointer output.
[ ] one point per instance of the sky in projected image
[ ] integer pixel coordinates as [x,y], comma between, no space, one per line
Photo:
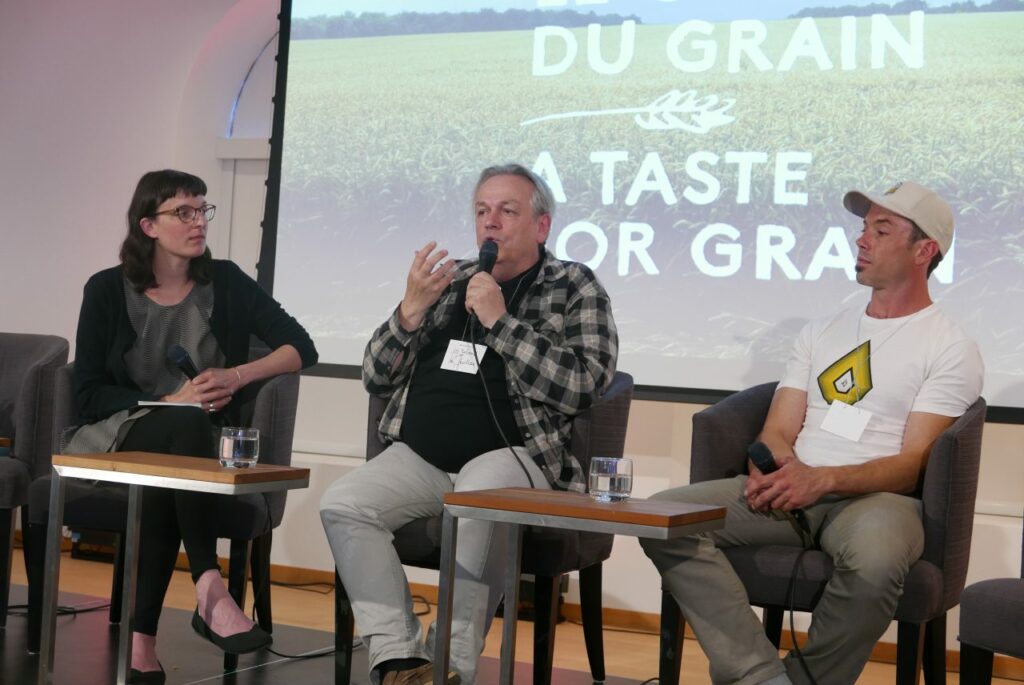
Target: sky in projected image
[698,160]
[649,11]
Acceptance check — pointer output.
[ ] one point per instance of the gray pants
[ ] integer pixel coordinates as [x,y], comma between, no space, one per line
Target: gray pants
[872,540]
[359,512]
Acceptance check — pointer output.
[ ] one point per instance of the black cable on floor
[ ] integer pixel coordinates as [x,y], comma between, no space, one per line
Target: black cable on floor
[356,644]
[305,587]
[423,600]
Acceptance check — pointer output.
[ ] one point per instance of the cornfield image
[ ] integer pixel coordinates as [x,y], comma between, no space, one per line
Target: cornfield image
[385,137]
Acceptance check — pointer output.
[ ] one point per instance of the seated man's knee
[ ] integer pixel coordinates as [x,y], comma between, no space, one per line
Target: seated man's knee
[711,492]
[497,469]
[881,561]
[344,500]
[878,567]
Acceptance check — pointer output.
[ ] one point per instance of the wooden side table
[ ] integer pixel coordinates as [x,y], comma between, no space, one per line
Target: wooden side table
[138,470]
[528,507]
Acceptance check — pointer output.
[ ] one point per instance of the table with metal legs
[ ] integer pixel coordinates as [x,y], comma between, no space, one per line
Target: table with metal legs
[139,470]
[520,507]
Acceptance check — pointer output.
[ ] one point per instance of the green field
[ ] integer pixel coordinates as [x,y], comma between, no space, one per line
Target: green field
[385,138]
[413,119]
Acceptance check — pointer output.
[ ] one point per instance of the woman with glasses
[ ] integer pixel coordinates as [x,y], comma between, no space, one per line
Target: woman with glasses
[168,291]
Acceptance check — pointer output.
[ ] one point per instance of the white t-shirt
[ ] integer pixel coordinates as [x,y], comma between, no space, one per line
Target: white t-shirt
[890,367]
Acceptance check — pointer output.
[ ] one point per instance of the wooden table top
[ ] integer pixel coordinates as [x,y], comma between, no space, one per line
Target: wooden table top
[580,506]
[175,466]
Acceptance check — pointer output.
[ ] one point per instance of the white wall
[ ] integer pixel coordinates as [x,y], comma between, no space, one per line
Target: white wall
[94,94]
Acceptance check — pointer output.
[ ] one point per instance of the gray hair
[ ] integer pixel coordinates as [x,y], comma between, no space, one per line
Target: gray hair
[543,200]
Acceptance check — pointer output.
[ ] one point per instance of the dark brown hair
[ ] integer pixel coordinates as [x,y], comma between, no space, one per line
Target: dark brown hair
[153,189]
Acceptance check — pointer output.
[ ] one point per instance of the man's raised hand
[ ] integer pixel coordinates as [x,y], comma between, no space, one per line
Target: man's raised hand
[424,285]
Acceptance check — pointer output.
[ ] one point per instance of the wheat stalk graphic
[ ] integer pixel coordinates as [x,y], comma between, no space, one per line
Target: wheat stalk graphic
[675,110]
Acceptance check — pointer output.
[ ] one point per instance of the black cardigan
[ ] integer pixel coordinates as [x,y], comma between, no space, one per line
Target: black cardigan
[240,308]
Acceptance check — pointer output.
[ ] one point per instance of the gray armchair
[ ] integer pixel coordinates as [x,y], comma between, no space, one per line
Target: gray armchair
[991,620]
[721,434]
[548,553]
[27,365]
[247,520]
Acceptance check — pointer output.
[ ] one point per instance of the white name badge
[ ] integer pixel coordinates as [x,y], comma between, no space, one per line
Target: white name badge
[459,356]
[846,421]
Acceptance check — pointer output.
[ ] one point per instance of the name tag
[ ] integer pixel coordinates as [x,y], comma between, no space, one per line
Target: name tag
[846,421]
[459,356]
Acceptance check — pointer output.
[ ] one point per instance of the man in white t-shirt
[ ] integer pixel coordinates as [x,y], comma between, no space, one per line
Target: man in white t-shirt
[864,396]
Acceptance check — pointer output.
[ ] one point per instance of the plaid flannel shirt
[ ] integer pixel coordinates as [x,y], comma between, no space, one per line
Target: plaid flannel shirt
[559,349]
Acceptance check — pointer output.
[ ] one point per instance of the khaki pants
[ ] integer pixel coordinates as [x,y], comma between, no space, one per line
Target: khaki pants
[872,539]
[361,509]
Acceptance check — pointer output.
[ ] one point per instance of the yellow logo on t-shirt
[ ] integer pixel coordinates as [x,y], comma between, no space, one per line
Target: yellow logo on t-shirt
[848,379]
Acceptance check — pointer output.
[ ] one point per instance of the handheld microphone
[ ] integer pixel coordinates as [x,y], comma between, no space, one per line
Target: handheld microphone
[178,356]
[764,460]
[488,255]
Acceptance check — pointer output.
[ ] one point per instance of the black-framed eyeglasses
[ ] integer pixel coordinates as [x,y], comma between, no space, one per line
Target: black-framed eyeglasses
[187,213]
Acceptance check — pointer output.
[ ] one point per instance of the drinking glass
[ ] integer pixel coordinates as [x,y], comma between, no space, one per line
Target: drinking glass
[611,479]
[239,447]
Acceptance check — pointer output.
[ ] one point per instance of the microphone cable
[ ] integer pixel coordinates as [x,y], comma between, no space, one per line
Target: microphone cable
[761,456]
[490,405]
[357,642]
[791,601]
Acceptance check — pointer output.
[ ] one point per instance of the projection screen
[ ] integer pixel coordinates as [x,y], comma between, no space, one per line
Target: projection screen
[699,153]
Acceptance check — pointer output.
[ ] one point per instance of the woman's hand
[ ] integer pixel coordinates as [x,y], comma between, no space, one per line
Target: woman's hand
[212,389]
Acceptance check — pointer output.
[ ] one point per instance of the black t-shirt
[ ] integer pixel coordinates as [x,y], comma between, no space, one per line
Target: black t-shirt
[446,419]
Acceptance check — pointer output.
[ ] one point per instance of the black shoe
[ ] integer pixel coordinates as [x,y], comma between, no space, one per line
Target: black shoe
[147,677]
[240,643]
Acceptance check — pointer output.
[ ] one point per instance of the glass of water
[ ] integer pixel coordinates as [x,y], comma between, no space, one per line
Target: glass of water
[611,479]
[239,447]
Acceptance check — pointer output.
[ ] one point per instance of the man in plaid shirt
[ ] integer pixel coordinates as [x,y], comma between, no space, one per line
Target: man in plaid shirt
[484,372]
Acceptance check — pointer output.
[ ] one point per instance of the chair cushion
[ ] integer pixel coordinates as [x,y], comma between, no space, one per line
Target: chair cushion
[104,506]
[419,542]
[766,571]
[14,478]
[552,551]
[923,593]
[991,616]
[95,506]
[246,517]
[546,551]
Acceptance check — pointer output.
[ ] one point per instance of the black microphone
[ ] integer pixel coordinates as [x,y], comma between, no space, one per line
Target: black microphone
[181,359]
[488,255]
[764,460]
[762,457]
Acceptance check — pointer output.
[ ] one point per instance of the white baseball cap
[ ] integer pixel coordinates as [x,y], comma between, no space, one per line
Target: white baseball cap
[911,201]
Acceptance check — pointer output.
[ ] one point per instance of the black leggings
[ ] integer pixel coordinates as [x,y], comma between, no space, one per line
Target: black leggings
[170,517]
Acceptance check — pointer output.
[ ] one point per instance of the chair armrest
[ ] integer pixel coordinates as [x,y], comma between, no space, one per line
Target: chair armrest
[948,494]
[374,445]
[274,411]
[723,431]
[35,358]
[65,409]
[600,430]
